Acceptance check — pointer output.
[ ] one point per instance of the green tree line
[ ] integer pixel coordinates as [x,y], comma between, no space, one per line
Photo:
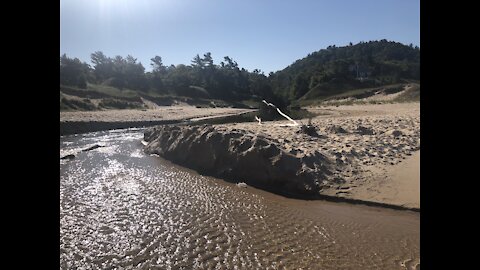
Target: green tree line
[328,70]
[202,78]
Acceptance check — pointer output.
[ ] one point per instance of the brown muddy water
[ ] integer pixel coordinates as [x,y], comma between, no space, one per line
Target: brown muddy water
[123,209]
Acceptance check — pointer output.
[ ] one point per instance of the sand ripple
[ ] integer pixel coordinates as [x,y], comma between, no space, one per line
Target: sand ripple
[145,213]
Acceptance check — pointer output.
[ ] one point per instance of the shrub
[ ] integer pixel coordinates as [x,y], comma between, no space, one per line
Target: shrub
[76,104]
[118,104]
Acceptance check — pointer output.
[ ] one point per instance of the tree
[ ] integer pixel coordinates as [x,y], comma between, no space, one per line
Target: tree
[208,60]
[178,80]
[103,66]
[134,74]
[230,63]
[157,65]
[158,71]
[117,76]
[98,58]
[197,62]
[300,85]
[73,72]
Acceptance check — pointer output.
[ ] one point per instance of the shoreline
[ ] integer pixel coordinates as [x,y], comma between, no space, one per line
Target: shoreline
[370,153]
[80,127]
[91,121]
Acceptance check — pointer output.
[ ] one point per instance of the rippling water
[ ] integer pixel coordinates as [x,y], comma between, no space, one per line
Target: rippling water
[123,209]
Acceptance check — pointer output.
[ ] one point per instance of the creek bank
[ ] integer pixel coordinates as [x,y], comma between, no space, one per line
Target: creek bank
[241,156]
[84,122]
[349,157]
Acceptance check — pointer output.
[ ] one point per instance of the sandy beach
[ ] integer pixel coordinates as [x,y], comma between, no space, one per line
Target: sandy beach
[74,122]
[180,112]
[371,153]
[377,149]
[362,153]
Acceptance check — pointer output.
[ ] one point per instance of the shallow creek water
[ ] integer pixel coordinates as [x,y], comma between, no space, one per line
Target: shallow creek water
[123,209]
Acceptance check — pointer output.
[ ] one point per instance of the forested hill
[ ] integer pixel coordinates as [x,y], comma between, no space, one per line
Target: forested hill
[335,70]
[201,79]
[320,75]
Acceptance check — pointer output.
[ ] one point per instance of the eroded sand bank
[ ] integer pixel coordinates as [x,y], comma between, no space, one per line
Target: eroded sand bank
[363,152]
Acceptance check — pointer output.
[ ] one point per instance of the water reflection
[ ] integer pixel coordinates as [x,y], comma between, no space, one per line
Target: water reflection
[120,208]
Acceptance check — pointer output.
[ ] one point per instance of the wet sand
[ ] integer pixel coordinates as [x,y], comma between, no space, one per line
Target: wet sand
[123,209]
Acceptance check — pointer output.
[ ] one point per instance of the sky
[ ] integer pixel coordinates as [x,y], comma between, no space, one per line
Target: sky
[258,34]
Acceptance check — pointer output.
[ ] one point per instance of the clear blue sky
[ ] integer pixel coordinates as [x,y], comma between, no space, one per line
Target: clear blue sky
[264,34]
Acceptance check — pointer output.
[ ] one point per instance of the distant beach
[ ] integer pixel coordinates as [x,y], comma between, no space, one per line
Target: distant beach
[89,121]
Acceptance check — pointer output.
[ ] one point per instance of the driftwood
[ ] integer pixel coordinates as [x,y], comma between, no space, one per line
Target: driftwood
[294,123]
[70,156]
[308,129]
[258,119]
[92,147]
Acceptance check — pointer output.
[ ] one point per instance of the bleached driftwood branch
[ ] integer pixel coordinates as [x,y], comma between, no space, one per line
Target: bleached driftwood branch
[294,123]
[258,119]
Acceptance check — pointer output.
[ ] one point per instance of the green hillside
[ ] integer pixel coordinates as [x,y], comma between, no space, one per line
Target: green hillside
[336,70]
[121,82]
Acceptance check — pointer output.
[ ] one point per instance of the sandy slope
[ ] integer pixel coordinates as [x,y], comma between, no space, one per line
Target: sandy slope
[376,149]
[398,184]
